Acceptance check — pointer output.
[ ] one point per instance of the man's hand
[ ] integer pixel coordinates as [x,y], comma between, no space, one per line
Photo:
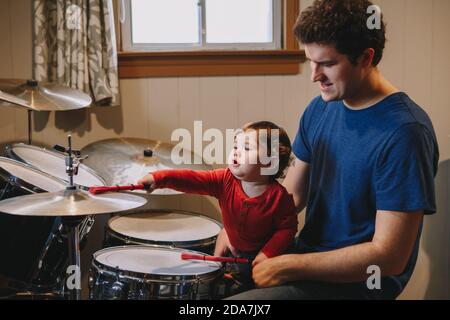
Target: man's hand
[223,245]
[148,180]
[268,272]
[259,258]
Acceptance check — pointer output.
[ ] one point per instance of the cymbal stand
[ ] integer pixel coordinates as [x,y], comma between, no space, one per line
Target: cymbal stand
[30,125]
[71,224]
[31,85]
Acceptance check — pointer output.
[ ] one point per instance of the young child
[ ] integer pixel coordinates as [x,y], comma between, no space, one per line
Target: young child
[258,214]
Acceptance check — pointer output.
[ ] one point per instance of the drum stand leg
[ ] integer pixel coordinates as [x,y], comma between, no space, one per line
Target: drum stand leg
[38,264]
[73,240]
[4,191]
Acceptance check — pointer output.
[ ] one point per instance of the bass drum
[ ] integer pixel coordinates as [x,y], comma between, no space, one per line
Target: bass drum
[53,163]
[33,249]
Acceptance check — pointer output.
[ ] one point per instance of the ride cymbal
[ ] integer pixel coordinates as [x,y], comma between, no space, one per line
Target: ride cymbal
[123,161]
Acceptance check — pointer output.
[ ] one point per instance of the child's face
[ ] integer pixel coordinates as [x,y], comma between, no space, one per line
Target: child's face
[243,160]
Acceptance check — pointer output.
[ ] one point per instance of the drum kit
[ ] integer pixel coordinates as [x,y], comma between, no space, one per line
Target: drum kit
[47,212]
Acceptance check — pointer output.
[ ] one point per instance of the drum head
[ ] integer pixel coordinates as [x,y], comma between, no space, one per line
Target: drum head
[156,261]
[166,226]
[54,164]
[28,177]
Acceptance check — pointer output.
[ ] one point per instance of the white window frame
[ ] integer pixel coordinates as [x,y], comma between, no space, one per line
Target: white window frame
[128,45]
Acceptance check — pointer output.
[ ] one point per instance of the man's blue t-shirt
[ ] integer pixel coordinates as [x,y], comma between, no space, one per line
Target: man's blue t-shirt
[384,157]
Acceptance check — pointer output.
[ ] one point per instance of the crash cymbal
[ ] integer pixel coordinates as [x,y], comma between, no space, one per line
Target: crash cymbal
[41,96]
[125,160]
[70,203]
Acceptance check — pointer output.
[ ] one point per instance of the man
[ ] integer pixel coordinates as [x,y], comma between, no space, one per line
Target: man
[366,158]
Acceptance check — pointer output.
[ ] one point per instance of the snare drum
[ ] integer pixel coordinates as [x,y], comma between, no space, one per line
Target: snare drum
[175,228]
[52,163]
[151,272]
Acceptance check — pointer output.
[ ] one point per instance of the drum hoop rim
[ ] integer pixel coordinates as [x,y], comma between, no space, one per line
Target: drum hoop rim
[140,241]
[153,278]
[177,244]
[27,186]
[10,152]
[149,277]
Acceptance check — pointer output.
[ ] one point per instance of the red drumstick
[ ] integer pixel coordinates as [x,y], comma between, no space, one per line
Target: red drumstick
[102,189]
[190,256]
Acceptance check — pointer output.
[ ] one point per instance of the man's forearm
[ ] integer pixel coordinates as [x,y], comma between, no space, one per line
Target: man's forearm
[343,265]
[300,202]
[297,182]
[390,249]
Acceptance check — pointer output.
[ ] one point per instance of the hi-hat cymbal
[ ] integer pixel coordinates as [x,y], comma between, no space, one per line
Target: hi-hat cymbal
[125,160]
[70,203]
[42,96]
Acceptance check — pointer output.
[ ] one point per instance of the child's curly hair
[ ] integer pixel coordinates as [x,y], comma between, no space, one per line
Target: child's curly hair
[284,149]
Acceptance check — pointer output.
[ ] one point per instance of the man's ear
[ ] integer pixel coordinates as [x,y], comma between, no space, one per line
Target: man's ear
[366,58]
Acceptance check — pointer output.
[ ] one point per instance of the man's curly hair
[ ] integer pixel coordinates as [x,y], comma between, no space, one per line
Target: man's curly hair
[344,24]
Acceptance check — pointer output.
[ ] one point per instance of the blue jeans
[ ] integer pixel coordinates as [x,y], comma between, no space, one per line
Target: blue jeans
[316,290]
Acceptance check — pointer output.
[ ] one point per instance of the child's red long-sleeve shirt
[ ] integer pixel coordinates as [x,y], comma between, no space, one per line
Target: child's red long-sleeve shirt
[267,222]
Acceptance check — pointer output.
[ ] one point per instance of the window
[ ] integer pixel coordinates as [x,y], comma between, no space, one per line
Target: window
[183,25]
[208,37]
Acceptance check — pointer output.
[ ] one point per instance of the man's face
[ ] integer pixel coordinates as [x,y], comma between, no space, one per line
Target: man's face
[337,78]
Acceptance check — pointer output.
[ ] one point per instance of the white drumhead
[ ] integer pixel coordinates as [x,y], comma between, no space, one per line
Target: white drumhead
[33,177]
[54,164]
[157,261]
[165,226]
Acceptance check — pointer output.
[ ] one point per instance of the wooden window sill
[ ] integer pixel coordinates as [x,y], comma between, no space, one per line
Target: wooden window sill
[209,63]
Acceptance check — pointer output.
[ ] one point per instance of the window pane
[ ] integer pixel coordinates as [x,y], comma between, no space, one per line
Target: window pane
[239,21]
[165,21]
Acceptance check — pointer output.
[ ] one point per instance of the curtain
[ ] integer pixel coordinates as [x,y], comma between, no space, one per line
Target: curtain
[75,46]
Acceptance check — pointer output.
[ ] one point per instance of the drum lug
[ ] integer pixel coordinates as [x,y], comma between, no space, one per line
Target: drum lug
[117,273]
[117,288]
[195,289]
[90,282]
